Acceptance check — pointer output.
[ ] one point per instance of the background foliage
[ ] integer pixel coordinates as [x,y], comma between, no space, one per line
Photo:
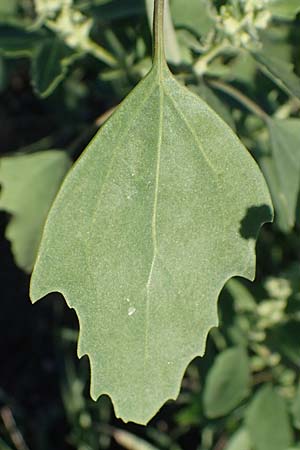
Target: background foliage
[64,66]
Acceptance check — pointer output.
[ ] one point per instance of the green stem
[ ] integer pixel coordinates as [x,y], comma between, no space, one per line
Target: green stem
[158,32]
[202,63]
[241,98]
[287,109]
[100,53]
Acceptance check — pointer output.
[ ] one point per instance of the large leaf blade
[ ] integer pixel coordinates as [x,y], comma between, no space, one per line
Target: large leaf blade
[145,263]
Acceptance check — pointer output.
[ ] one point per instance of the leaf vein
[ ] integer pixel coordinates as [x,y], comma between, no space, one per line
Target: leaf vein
[192,131]
[154,219]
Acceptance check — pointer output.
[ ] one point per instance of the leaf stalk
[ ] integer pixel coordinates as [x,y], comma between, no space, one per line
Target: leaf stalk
[201,65]
[158,33]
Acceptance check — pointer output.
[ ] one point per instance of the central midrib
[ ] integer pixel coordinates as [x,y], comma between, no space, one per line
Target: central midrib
[154,221]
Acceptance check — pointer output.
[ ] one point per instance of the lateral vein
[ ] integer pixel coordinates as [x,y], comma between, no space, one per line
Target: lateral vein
[192,131]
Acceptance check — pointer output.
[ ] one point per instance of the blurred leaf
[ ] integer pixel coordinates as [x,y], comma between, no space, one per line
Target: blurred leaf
[267,421]
[285,9]
[296,408]
[16,41]
[241,69]
[282,218]
[286,340]
[29,183]
[227,383]
[49,66]
[131,442]
[215,103]
[285,145]
[243,299]
[115,9]
[280,72]
[276,43]
[192,413]
[8,8]
[198,17]
[239,441]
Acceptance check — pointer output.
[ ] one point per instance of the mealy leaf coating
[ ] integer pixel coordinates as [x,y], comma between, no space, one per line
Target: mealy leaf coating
[162,208]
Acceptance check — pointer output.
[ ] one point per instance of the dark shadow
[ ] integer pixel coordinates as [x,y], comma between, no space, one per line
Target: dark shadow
[119,9]
[255,216]
[298,212]
[30,365]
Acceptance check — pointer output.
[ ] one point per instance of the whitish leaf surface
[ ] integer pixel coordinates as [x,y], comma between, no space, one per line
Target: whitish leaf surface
[267,421]
[160,211]
[227,382]
[285,177]
[28,186]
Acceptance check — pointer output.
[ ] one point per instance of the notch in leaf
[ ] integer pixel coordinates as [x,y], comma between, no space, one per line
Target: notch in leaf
[144,233]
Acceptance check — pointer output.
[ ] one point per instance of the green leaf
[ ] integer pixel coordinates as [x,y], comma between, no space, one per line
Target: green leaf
[227,383]
[239,441]
[198,17]
[116,9]
[49,66]
[267,421]
[16,41]
[285,145]
[282,218]
[3,445]
[243,299]
[162,208]
[280,72]
[285,9]
[8,8]
[215,103]
[29,183]
[296,408]
[285,339]
[192,414]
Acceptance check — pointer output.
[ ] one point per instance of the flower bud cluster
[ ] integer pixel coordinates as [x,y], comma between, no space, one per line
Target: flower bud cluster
[241,21]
